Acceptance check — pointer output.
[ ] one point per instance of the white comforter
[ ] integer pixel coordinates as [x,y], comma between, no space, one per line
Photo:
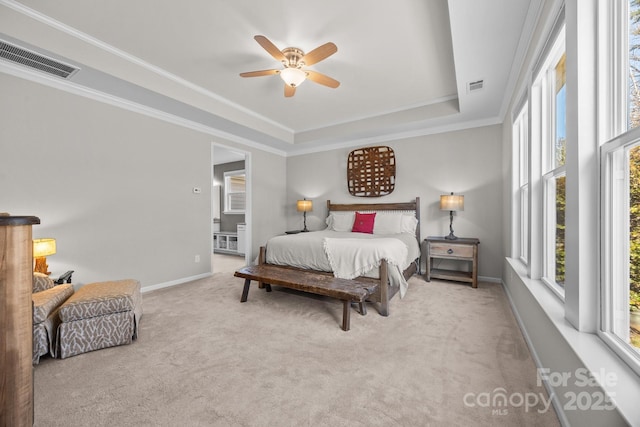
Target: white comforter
[307,250]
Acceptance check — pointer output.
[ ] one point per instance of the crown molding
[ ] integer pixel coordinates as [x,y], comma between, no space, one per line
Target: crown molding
[406,109]
[299,150]
[47,20]
[70,87]
[294,149]
[524,44]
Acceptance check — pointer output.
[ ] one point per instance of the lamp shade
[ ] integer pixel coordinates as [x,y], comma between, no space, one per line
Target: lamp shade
[293,77]
[44,247]
[305,205]
[449,202]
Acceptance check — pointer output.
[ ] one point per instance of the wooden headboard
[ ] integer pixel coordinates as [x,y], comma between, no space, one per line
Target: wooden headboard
[408,206]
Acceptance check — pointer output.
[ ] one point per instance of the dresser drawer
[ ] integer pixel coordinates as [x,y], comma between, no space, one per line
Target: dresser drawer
[458,254]
[444,249]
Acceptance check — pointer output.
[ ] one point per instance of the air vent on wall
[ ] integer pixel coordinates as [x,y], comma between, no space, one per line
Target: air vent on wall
[474,86]
[34,60]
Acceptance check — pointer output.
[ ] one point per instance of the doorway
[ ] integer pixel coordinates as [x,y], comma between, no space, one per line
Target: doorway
[231,208]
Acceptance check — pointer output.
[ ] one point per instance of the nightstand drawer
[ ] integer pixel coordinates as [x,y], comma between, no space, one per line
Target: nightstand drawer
[454,252]
[444,249]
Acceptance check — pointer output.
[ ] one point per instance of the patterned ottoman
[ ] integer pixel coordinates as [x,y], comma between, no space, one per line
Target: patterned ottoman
[99,315]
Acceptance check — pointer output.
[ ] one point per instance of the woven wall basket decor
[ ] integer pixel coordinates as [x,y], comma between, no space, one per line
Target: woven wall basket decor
[371,171]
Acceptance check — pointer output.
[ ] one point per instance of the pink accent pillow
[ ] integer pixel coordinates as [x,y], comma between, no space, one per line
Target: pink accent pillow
[364,223]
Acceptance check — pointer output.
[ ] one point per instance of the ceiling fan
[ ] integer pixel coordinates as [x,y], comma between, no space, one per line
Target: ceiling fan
[294,60]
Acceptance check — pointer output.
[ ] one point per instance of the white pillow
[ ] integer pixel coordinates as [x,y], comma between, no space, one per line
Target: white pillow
[341,221]
[409,224]
[387,224]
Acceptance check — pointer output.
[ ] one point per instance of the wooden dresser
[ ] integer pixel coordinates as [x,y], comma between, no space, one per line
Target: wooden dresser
[16,317]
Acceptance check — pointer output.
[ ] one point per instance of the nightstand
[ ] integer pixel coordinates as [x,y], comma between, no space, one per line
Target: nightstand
[461,249]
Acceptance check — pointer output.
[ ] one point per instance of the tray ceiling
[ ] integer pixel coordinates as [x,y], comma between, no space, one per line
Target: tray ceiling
[403,66]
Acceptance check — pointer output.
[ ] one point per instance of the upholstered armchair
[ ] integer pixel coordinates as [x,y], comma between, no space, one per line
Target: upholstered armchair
[47,297]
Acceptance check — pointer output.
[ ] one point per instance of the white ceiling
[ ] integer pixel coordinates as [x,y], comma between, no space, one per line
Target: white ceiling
[403,66]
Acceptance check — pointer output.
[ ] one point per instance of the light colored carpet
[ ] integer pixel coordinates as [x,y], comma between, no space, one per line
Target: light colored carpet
[223,263]
[280,359]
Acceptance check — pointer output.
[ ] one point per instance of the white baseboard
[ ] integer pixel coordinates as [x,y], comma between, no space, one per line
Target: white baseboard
[174,282]
[489,279]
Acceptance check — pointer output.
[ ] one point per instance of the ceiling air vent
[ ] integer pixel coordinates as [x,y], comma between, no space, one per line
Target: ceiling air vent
[474,86]
[34,60]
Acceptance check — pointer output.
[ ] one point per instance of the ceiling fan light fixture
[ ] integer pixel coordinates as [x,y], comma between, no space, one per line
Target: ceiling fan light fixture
[293,77]
[293,60]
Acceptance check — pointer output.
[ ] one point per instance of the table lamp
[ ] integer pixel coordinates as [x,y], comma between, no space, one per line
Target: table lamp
[42,248]
[449,202]
[305,206]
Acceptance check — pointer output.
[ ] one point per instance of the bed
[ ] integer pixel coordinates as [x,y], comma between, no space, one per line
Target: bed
[388,256]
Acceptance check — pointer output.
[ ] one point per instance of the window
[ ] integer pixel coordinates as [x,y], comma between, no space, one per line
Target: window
[620,171]
[521,148]
[234,192]
[633,187]
[549,107]
[609,140]
[621,238]
[633,94]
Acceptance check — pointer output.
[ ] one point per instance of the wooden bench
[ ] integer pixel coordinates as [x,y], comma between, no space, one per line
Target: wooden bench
[314,283]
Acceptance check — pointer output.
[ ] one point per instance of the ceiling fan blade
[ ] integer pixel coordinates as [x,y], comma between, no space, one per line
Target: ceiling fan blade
[289,91]
[319,53]
[270,47]
[314,76]
[259,73]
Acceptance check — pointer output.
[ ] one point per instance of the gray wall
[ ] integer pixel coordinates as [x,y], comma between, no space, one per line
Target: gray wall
[466,162]
[227,222]
[115,187]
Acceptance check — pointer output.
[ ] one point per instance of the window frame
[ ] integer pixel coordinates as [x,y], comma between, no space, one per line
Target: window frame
[615,239]
[521,138]
[549,225]
[543,116]
[228,193]
[617,138]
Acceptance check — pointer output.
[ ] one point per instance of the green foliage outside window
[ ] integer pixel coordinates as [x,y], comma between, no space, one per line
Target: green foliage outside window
[560,228]
[634,168]
[634,227]
[634,243]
